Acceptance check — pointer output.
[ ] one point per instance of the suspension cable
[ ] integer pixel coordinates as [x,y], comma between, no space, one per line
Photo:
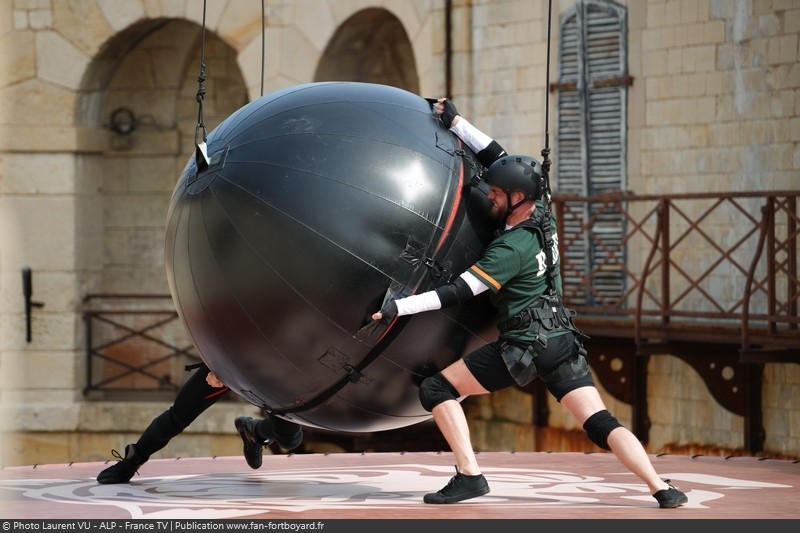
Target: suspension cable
[201,88]
[546,149]
[263,19]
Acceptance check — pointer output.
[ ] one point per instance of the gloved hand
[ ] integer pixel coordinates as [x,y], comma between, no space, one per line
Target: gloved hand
[387,313]
[445,109]
[450,112]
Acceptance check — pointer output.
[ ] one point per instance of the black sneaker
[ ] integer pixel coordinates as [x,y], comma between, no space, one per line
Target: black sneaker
[460,487]
[253,447]
[670,498]
[123,471]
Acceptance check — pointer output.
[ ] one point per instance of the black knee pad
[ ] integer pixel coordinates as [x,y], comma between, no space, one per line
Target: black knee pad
[599,426]
[435,390]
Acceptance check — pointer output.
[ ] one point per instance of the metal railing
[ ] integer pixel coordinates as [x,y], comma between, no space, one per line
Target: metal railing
[716,267]
[703,268]
[135,346]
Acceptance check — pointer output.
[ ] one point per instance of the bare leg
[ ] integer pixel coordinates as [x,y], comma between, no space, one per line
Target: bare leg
[449,417]
[451,421]
[583,403]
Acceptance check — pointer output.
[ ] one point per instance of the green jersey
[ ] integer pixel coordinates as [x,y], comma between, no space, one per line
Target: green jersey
[514,269]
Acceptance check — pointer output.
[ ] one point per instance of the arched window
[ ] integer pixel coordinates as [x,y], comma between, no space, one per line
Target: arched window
[371,46]
[591,151]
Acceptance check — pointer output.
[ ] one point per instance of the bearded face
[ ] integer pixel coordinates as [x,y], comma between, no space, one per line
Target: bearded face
[499,200]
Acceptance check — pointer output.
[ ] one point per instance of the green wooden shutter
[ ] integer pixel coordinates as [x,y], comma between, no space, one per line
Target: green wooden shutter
[591,145]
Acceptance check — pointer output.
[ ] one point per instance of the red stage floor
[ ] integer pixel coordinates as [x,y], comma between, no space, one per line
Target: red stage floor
[391,485]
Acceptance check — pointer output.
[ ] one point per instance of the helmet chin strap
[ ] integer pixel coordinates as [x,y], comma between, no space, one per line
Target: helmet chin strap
[511,207]
[510,210]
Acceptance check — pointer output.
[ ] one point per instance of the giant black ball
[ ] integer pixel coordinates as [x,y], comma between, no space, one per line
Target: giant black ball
[309,206]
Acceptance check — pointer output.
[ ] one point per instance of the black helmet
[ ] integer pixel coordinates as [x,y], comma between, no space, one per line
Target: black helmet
[516,173]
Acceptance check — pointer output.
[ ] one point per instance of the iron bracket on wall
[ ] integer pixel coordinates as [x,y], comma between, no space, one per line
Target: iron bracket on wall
[27,293]
[735,385]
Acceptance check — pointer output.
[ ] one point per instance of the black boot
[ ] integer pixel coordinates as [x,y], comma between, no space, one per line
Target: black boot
[126,467]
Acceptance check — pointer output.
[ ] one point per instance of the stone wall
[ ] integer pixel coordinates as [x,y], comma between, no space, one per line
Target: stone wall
[713,107]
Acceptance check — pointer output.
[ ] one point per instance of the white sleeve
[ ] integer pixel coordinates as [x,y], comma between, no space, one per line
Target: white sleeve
[417,303]
[429,301]
[472,136]
[474,283]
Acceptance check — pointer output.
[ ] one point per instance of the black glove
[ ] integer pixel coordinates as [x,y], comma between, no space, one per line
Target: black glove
[449,113]
[389,311]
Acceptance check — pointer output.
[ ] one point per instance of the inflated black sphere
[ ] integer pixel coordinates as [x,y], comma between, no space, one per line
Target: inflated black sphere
[311,204]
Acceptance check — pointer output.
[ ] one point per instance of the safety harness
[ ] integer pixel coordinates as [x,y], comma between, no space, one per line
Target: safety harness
[546,314]
[547,310]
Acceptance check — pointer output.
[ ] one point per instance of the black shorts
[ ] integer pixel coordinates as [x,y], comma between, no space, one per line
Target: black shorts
[486,364]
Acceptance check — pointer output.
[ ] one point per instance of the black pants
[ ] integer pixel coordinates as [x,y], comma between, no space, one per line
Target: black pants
[194,397]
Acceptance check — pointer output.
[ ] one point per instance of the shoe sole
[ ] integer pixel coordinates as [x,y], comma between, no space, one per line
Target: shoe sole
[673,504]
[112,481]
[452,499]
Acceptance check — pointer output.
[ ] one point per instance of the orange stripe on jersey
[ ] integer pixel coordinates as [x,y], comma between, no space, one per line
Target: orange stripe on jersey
[493,282]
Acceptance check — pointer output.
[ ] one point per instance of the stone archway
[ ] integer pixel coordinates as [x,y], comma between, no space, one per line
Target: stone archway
[153,84]
[370,46]
[140,93]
